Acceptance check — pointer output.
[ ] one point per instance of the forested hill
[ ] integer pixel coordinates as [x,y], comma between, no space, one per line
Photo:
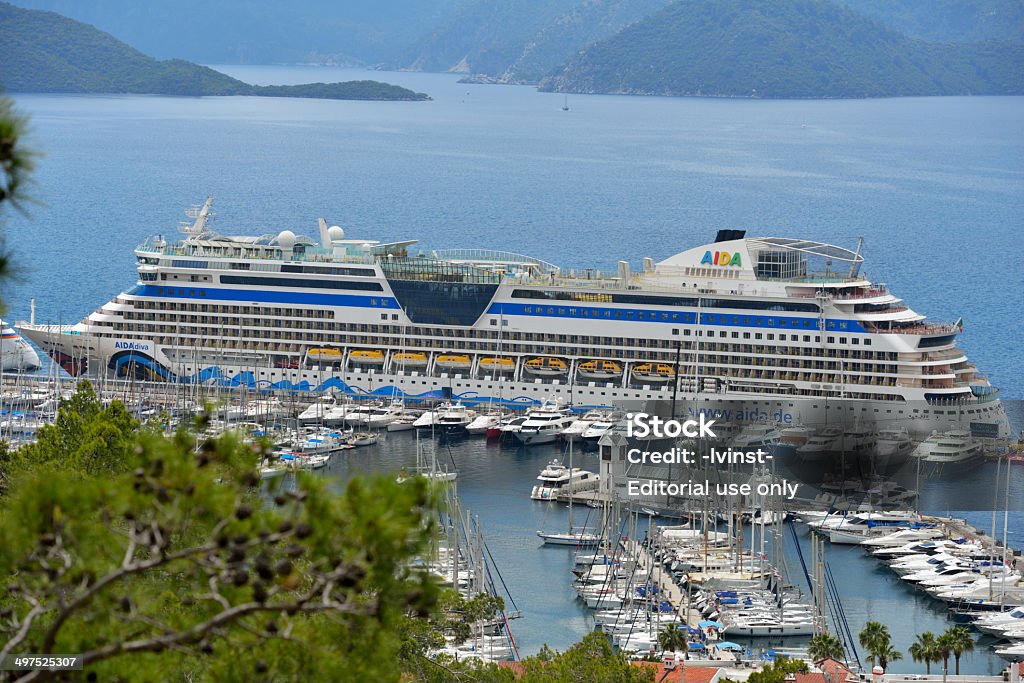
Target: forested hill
[519,41]
[783,49]
[948,21]
[47,52]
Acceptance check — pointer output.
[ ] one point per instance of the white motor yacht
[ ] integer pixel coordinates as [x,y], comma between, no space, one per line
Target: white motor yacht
[820,444]
[544,424]
[455,419]
[756,436]
[556,477]
[955,447]
[481,423]
[318,410]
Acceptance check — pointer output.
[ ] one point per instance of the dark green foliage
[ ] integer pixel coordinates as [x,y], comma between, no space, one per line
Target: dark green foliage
[825,646]
[875,638]
[16,162]
[351,90]
[785,49]
[87,438]
[777,671]
[46,52]
[167,564]
[592,659]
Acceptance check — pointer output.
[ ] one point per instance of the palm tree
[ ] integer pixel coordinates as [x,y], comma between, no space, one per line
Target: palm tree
[673,639]
[923,650]
[960,642]
[875,638]
[825,646]
[944,648]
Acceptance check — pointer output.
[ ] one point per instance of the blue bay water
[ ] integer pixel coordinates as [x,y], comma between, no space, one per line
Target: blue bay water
[934,185]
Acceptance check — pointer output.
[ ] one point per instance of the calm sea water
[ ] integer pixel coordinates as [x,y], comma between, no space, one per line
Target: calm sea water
[934,185]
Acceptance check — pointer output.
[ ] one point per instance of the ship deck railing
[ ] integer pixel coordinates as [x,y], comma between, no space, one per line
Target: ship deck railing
[921,328]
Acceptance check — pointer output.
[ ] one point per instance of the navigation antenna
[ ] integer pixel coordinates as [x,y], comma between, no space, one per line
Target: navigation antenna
[199,216]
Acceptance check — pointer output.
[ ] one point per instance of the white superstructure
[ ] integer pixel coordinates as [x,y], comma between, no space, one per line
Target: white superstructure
[778,326]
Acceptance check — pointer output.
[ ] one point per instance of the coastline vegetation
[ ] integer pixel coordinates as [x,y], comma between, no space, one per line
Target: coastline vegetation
[44,52]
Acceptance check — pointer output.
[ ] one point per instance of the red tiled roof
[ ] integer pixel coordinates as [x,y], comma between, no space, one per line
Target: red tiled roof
[694,674]
[837,673]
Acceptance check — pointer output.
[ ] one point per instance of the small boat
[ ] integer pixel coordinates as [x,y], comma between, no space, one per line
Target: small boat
[318,410]
[573,538]
[403,423]
[578,426]
[653,372]
[363,439]
[381,416]
[413,359]
[602,426]
[366,357]
[546,366]
[556,477]
[893,443]
[820,444]
[453,361]
[482,424]
[756,436]
[361,413]
[794,436]
[324,355]
[599,370]
[492,364]
[455,419]
[544,424]
[337,413]
[428,419]
[955,447]
[305,461]
[269,470]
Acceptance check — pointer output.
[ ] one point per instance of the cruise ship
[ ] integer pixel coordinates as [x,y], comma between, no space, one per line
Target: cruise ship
[772,326]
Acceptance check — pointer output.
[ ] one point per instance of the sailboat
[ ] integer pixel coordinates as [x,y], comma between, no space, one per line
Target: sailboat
[571,537]
[432,470]
[565,104]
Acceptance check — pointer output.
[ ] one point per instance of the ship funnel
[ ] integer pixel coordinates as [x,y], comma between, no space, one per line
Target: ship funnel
[730,235]
[624,273]
[325,239]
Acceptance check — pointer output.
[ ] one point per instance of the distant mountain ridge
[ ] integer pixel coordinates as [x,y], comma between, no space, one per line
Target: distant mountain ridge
[520,41]
[948,21]
[346,32]
[782,49]
[46,52]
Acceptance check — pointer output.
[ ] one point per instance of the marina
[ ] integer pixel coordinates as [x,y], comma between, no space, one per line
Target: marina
[697,569]
[251,357]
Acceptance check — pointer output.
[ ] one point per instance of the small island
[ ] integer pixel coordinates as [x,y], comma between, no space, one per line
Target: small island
[45,52]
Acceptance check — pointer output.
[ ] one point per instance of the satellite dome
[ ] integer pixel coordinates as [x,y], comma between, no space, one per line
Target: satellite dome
[286,239]
[367,246]
[335,233]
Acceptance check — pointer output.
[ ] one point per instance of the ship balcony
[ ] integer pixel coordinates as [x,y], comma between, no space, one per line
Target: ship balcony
[949,356]
[920,328]
[897,314]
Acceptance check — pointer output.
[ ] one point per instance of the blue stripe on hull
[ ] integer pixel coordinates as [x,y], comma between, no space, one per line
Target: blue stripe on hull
[265,296]
[214,376]
[582,311]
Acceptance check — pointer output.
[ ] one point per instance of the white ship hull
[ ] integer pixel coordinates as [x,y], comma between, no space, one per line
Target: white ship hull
[295,313]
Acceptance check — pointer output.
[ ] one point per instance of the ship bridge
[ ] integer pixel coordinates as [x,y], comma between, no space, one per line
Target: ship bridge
[787,259]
